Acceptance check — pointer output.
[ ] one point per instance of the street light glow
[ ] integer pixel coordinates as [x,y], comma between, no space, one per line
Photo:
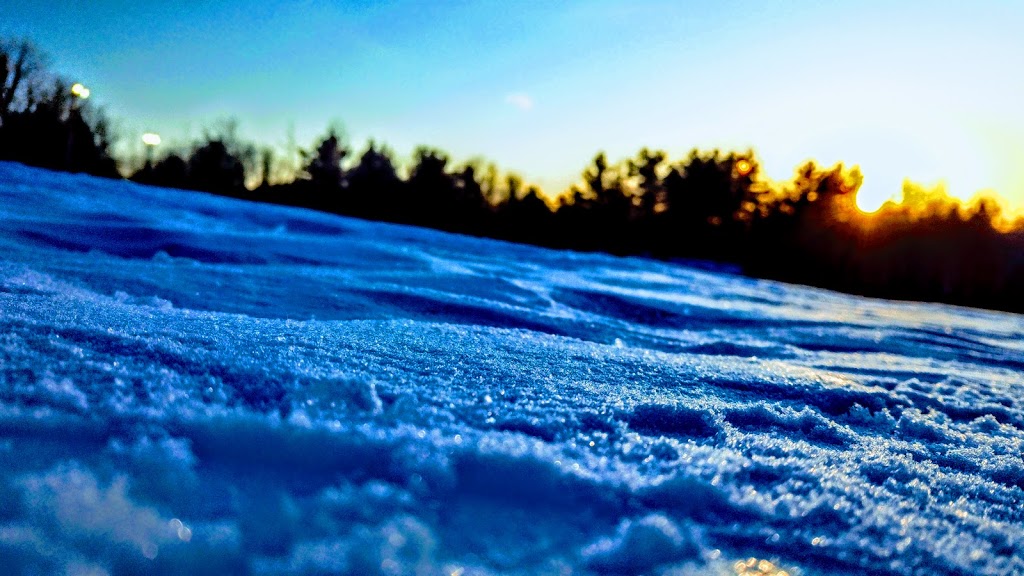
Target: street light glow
[151,139]
[80,91]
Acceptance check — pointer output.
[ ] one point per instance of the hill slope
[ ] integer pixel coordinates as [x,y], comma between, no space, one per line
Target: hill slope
[191,383]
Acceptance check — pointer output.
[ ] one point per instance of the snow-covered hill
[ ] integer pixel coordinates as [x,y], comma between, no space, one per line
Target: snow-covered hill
[191,384]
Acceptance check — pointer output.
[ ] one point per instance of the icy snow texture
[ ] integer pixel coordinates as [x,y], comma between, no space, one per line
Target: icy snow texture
[191,384]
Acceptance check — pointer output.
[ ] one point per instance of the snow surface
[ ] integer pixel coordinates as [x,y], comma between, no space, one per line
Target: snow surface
[191,384]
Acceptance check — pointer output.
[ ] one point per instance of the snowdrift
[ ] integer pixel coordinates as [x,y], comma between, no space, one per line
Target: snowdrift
[193,384]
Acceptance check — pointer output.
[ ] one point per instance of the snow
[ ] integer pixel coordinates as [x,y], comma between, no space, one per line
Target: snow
[193,384]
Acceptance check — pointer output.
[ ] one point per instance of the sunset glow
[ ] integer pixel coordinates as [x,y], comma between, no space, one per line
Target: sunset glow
[913,90]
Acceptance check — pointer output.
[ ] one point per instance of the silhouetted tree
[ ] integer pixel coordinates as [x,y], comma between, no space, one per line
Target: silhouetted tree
[594,216]
[323,176]
[171,171]
[221,161]
[42,124]
[470,209]
[646,169]
[373,184]
[469,191]
[709,201]
[324,164]
[525,217]
[266,167]
[22,68]
[213,168]
[490,186]
[432,194]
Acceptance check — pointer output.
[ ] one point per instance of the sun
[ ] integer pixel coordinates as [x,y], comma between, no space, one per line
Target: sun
[952,162]
[873,193]
[868,203]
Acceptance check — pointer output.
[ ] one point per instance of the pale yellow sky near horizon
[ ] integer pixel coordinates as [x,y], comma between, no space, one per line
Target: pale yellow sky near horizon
[927,90]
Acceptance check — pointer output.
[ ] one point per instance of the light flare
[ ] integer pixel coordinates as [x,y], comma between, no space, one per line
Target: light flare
[744,167]
[80,91]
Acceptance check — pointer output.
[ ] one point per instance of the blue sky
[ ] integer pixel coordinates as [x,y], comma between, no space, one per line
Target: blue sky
[926,90]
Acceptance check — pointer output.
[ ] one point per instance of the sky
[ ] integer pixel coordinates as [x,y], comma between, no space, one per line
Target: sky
[926,90]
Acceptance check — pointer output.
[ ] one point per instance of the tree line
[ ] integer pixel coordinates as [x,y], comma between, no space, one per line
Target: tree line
[43,123]
[709,205]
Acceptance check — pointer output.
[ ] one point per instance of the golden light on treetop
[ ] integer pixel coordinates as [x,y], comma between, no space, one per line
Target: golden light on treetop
[744,167]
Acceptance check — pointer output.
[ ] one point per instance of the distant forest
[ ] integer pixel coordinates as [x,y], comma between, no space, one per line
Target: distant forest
[710,205]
